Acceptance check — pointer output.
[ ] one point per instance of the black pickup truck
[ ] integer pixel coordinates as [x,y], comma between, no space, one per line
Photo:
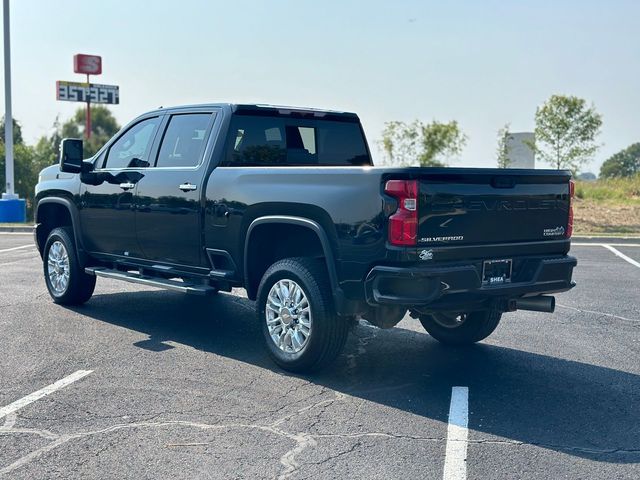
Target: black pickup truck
[286,203]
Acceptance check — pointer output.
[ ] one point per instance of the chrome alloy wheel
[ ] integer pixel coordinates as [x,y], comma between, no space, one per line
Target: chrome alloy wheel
[58,267]
[288,316]
[449,319]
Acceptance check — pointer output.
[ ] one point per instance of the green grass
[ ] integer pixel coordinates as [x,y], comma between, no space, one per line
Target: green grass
[615,190]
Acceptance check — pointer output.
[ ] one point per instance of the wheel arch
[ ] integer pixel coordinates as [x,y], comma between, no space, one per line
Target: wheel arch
[53,212]
[300,222]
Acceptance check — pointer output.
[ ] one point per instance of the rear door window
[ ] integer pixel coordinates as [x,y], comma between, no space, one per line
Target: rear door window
[184,140]
[279,141]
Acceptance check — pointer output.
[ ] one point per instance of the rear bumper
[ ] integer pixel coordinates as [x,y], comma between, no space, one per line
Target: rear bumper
[455,283]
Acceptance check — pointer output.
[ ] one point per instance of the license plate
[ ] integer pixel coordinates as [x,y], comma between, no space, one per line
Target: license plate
[496,272]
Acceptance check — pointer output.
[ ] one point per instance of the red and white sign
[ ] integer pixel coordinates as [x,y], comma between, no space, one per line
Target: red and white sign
[89,64]
[87,92]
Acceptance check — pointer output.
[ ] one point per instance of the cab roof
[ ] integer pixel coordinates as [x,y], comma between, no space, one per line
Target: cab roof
[269,110]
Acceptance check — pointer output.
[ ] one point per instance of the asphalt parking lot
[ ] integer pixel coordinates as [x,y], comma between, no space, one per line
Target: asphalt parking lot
[168,386]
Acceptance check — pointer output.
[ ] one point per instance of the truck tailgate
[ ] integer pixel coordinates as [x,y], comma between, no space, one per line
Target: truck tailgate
[481,208]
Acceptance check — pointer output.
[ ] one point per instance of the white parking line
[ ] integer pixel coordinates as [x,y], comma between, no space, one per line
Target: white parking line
[455,460]
[32,397]
[621,255]
[17,248]
[592,244]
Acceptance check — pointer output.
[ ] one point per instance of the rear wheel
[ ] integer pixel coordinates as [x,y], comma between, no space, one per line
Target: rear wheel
[299,323]
[66,281]
[461,328]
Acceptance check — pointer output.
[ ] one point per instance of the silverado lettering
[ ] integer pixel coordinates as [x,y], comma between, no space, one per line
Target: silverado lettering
[454,238]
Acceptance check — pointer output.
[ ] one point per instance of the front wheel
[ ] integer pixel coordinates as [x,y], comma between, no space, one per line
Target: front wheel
[461,328]
[299,323]
[66,281]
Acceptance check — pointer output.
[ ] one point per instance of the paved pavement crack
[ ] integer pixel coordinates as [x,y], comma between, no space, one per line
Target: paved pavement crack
[378,434]
[10,420]
[284,400]
[29,431]
[288,460]
[338,397]
[339,454]
[601,315]
[334,457]
[570,448]
[301,440]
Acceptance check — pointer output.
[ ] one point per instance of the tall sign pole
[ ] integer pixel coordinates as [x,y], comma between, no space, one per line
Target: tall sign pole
[8,116]
[87,126]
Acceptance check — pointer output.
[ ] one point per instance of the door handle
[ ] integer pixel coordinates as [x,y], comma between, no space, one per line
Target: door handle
[186,187]
[127,186]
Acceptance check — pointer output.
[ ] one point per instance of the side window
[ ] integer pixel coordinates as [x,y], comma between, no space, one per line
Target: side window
[256,141]
[341,143]
[184,140]
[132,148]
[276,141]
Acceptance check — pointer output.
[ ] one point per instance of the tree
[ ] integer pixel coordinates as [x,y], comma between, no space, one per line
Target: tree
[565,131]
[429,145]
[103,127]
[17,132]
[625,163]
[503,147]
[30,160]
[25,172]
[587,176]
[46,151]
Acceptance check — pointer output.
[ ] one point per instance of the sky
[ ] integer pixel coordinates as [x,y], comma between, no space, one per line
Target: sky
[483,64]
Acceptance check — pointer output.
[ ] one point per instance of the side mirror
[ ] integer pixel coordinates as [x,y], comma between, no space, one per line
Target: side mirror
[71,155]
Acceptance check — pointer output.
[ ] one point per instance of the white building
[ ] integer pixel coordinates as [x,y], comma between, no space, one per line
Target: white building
[520,151]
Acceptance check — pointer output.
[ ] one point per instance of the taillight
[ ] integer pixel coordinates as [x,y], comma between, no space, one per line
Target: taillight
[403,224]
[572,194]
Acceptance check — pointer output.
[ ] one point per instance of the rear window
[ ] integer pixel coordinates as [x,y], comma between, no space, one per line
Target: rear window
[278,141]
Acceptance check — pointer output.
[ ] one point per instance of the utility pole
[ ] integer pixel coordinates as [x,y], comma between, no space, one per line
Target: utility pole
[8,117]
[87,125]
[12,209]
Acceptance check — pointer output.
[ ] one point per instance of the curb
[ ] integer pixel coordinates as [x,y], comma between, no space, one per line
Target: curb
[576,238]
[17,229]
[607,239]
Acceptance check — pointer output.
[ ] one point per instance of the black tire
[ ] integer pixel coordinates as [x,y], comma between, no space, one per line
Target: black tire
[476,326]
[328,332]
[80,285]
